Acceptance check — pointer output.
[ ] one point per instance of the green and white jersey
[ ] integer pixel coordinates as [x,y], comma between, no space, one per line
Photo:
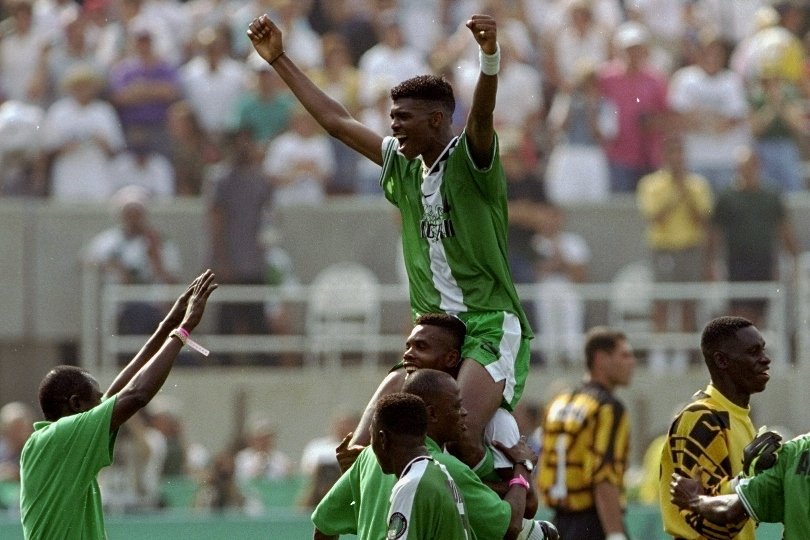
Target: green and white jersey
[426,504]
[454,231]
[781,493]
[358,502]
[59,494]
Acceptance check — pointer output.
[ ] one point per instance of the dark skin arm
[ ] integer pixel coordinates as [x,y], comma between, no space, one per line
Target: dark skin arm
[141,379]
[331,115]
[607,498]
[517,495]
[392,383]
[480,128]
[688,494]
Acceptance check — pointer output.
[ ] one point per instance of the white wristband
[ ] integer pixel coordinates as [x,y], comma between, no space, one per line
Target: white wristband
[616,536]
[490,63]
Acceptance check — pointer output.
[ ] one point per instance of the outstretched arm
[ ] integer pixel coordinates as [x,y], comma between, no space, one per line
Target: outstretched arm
[331,115]
[138,383]
[480,124]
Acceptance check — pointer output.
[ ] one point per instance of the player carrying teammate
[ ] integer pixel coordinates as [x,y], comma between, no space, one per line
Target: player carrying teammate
[451,193]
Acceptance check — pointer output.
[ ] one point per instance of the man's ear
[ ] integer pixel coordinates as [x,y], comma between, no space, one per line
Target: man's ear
[452,359]
[75,403]
[436,118]
[720,359]
[431,413]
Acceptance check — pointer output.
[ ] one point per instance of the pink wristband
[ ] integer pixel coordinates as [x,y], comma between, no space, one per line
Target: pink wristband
[185,337]
[519,481]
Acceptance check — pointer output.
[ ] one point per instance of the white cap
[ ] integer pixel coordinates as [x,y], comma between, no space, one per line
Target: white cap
[630,34]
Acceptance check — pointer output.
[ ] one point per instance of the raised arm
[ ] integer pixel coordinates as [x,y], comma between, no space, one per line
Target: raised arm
[331,115]
[138,383]
[480,124]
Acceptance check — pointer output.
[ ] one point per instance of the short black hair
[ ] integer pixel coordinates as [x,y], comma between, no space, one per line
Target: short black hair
[424,383]
[401,414]
[454,326]
[718,331]
[426,88]
[58,385]
[601,338]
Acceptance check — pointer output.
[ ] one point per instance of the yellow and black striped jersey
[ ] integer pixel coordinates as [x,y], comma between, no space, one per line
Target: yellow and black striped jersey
[585,442]
[705,441]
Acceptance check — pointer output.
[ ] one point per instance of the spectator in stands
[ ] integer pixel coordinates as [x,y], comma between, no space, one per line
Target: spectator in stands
[213,82]
[779,124]
[750,222]
[526,197]
[300,162]
[16,425]
[676,205]
[23,167]
[70,47]
[190,149]
[260,459]
[280,272]
[219,489]
[143,85]
[141,164]
[709,104]
[264,109]
[239,202]
[134,252]
[389,61]
[562,262]
[20,49]
[183,458]
[341,80]
[321,450]
[132,482]
[81,132]
[635,150]
[580,123]
[580,40]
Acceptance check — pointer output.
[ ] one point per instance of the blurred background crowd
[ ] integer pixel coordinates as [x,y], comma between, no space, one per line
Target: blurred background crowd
[124,102]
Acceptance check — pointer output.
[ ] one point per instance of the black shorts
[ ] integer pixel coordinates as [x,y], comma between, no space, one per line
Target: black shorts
[583,525]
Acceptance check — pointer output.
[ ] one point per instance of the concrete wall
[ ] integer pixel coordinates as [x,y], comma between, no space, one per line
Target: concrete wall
[40,292]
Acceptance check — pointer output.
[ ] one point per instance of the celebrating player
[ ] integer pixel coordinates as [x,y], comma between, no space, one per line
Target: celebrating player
[451,193]
[59,496]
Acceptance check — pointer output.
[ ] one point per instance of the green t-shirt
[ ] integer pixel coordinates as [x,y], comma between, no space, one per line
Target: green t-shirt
[358,502]
[781,493]
[59,494]
[454,231]
[489,515]
[426,504]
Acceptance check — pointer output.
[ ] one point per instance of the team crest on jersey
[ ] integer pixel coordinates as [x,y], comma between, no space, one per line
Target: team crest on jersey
[397,526]
[436,223]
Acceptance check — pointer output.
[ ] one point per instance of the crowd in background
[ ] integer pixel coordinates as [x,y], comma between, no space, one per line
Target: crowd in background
[123,101]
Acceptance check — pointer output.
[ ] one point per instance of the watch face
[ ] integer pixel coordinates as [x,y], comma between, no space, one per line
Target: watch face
[529,465]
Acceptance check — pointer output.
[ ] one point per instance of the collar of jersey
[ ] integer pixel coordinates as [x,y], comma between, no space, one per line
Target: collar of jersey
[441,159]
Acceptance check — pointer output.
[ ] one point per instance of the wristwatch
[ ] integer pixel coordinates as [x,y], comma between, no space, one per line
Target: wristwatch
[528,464]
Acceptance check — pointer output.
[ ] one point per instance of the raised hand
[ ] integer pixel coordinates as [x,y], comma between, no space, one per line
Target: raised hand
[518,453]
[347,455]
[485,32]
[266,38]
[201,288]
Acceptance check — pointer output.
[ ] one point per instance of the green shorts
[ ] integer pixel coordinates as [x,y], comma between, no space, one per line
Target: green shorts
[495,340]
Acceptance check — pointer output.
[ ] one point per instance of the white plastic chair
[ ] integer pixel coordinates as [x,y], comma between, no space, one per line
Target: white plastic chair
[630,305]
[343,314]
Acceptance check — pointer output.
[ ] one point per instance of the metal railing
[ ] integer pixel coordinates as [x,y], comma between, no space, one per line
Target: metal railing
[100,343]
